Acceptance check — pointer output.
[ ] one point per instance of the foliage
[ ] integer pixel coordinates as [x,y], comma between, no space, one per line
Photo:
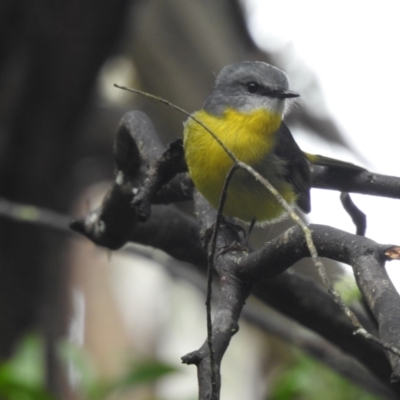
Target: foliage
[91,387]
[307,379]
[23,376]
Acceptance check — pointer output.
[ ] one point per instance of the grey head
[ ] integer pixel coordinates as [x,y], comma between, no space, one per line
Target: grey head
[249,85]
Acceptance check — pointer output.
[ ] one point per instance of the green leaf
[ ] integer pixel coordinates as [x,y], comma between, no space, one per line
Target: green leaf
[94,388]
[145,372]
[307,379]
[23,377]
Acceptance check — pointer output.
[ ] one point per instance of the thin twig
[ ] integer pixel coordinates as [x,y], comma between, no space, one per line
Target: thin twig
[357,216]
[318,263]
[307,232]
[34,215]
[374,339]
[210,269]
[161,100]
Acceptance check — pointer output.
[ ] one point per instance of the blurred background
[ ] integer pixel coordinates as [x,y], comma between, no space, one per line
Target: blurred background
[59,113]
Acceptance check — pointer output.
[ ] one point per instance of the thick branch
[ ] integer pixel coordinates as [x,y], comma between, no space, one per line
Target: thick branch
[364,182]
[316,347]
[262,317]
[278,255]
[364,255]
[232,296]
[239,271]
[137,147]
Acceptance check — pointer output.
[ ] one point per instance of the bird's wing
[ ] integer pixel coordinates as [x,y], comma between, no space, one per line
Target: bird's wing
[297,169]
[332,162]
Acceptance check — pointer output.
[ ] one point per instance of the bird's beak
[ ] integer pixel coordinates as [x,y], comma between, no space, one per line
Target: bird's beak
[286,94]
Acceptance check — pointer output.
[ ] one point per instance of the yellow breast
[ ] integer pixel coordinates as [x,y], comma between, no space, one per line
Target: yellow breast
[250,136]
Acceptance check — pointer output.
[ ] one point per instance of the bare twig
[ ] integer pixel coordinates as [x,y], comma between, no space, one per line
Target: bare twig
[168,103]
[306,231]
[357,216]
[274,289]
[33,215]
[210,269]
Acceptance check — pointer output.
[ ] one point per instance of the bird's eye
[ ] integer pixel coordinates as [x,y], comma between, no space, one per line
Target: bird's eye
[253,87]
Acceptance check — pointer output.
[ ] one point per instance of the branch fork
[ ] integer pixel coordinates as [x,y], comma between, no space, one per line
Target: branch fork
[137,147]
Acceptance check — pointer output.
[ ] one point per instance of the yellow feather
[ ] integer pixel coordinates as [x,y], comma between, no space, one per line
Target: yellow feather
[250,136]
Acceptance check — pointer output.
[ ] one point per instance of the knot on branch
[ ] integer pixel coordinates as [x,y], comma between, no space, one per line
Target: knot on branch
[193,358]
[393,253]
[171,162]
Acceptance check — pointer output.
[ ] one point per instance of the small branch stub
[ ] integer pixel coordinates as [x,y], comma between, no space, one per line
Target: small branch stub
[393,253]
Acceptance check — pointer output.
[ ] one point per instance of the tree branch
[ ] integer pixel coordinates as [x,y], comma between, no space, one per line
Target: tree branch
[288,286]
[357,216]
[238,271]
[364,182]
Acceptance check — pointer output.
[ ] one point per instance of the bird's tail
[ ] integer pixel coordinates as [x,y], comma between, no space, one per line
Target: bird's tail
[323,161]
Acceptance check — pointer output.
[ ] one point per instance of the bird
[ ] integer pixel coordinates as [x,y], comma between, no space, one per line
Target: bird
[245,111]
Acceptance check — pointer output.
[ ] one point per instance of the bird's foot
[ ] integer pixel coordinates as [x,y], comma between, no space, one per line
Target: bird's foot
[242,245]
